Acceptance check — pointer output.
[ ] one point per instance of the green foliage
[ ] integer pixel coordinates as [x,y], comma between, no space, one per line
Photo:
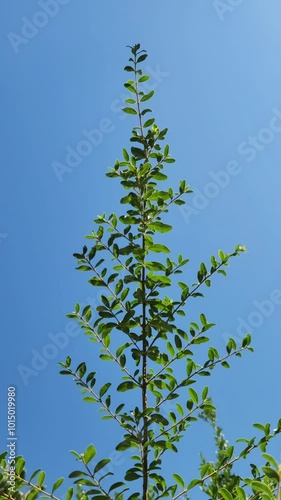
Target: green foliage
[127,257]
[223,483]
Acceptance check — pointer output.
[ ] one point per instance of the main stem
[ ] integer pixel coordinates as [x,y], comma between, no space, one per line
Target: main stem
[144,339]
[144,384]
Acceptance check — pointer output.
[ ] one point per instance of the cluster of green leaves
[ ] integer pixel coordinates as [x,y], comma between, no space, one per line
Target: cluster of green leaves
[222,483]
[15,486]
[145,333]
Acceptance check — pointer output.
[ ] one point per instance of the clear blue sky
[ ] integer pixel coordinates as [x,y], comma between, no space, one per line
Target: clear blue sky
[217,74]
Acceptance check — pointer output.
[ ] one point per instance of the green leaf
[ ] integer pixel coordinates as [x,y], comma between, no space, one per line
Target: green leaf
[20,466]
[170,349]
[193,394]
[89,454]
[179,480]
[201,340]
[138,152]
[85,310]
[259,426]
[104,389]
[149,122]
[144,111]
[246,340]
[41,479]
[193,483]
[141,58]
[126,386]
[115,485]
[81,370]
[88,315]
[203,319]
[146,97]
[144,78]
[33,494]
[130,87]
[225,364]
[205,392]
[178,342]
[225,494]
[130,111]
[57,484]
[160,177]
[92,253]
[69,494]
[160,279]
[84,268]
[271,460]
[221,254]
[263,488]
[100,465]
[90,399]
[119,408]
[241,493]
[126,155]
[159,248]
[77,473]
[34,474]
[125,445]
[160,227]
[271,473]
[106,357]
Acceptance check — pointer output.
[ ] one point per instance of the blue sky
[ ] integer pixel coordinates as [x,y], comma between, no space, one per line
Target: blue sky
[217,76]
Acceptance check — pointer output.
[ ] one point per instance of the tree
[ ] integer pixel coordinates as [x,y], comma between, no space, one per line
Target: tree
[152,339]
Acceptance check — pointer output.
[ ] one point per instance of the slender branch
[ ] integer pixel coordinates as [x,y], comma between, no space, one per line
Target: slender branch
[214,472]
[100,339]
[209,367]
[111,291]
[120,232]
[198,286]
[166,205]
[89,389]
[106,284]
[115,316]
[96,481]
[116,258]
[182,303]
[175,357]
[183,419]
[28,483]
